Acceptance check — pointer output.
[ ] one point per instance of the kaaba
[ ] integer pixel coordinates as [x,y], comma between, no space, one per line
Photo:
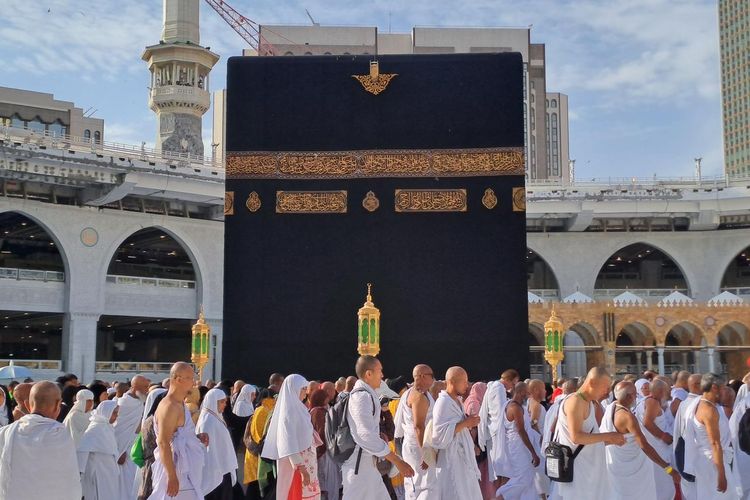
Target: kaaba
[406,172]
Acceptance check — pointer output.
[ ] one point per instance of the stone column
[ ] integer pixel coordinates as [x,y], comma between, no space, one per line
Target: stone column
[660,354]
[684,355]
[213,367]
[711,359]
[649,360]
[79,344]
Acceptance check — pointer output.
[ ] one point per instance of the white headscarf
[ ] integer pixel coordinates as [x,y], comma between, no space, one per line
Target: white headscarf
[243,407]
[4,409]
[150,402]
[639,387]
[77,419]
[741,404]
[290,430]
[220,455]
[100,435]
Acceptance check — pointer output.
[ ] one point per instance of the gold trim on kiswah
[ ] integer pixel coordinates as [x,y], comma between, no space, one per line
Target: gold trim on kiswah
[519,199]
[229,203]
[311,202]
[377,163]
[430,200]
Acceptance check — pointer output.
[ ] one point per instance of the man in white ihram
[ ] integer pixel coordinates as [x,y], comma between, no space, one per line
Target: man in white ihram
[490,421]
[37,455]
[653,413]
[127,427]
[680,424]
[629,470]
[412,417]
[457,472]
[577,425]
[361,478]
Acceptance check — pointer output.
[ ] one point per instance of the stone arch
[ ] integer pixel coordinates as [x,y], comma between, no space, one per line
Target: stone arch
[639,333]
[536,331]
[733,333]
[539,272]
[687,331]
[620,262]
[52,235]
[183,240]
[588,333]
[737,270]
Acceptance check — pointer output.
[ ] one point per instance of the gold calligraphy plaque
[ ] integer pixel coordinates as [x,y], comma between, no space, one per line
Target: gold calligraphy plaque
[311,202]
[489,200]
[253,202]
[519,199]
[430,200]
[229,203]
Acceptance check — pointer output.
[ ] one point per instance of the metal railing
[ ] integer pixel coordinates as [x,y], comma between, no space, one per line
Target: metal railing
[31,275]
[34,364]
[740,290]
[632,183]
[133,366]
[90,145]
[545,293]
[156,282]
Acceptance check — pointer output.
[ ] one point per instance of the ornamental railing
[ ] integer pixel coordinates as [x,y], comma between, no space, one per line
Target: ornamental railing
[134,366]
[155,282]
[34,364]
[31,274]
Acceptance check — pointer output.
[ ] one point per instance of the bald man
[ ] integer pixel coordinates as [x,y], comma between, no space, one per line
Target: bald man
[127,427]
[687,484]
[457,472]
[37,455]
[654,415]
[629,469]
[330,389]
[491,416]
[679,391]
[577,426]
[179,456]
[21,396]
[412,416]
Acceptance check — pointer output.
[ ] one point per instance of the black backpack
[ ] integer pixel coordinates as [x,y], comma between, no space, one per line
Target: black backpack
[339,441]
[744,432]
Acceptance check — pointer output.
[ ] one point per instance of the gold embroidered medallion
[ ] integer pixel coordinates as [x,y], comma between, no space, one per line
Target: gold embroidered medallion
[253,202]
[489,200]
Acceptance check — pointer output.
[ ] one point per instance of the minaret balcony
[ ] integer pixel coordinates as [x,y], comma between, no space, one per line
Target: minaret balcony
[177,97]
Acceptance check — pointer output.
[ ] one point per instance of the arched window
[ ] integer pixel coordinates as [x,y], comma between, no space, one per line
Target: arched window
[57,129]
[97,137]
[288,53]
[87,134]
[640,266]
[15,121]
[308,53]
[36,125]
[152,253]
[554,103]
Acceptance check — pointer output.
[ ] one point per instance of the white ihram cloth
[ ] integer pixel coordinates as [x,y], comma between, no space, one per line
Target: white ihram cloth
[38,461]
[742,459]
[518,468]
[126,427]
[589,469]
[364,424]
[680,427]
[152,395]
[243,405]
[457,472]
[699,457]
[422,485]
[664,483]
[221,458]
[77,420]
[4,409]
[97,456]
[541,481]
[631,476]
[489,429]
[188,454]
[549,421]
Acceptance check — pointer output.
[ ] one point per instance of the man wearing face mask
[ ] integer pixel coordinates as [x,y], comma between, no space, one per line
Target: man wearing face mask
[628,469]
[127,427]
[653,413]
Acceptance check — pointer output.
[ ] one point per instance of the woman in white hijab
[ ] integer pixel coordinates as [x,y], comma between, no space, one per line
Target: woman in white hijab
[97,455]
[78,418]
[220,469]
[742,459]
[243,406]
[291,441]
[642,388]
[4,413]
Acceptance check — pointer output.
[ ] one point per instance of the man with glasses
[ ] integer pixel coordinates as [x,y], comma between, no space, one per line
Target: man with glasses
[413,414]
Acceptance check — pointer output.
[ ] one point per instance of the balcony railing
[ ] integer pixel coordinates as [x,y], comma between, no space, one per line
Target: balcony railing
[31,274]
[546,293]
[133,366]
[34,364]
[156,282]
[644,293]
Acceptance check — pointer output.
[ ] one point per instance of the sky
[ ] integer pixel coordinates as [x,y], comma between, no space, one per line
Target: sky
[642,76]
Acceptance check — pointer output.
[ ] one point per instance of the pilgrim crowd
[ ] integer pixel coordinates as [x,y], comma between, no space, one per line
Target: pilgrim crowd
[359,438]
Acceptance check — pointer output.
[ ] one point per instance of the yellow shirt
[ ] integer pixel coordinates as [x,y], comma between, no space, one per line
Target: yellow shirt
[257,425]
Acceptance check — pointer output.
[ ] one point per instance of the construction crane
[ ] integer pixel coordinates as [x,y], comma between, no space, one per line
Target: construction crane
[248,29]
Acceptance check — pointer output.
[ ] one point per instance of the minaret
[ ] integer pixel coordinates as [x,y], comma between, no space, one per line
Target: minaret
[179,66]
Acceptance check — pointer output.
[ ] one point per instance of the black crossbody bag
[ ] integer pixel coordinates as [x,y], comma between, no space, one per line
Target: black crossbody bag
[559,458]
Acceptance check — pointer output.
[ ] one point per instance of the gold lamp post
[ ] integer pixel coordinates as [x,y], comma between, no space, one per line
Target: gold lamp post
[553,343]
[368,330]
[200,345]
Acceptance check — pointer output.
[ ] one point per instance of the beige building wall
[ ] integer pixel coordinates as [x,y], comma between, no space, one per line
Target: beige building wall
[734,32]
[218,134]
[42,112]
